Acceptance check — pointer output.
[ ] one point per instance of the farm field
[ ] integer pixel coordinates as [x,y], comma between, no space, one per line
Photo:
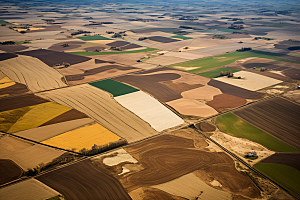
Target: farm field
[95,37]
[230,123]
[124,59]
[225,59]
[114,87]
[100,106]
[281,116]
[12,88]
[150,110]
[224,102]
[83,138]
[113,52]
[20,190]
[286,176]
[12,48]
[9,171]
[217,72]
[249,80]
[48,131]
[146,192]
[181,37]
[165,60]
[32,72]
[89,182]
[290,159]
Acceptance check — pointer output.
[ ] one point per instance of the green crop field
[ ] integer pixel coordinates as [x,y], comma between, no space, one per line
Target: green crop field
[232,124]
[114,87]
[181,37]
[217,72]
[3,22]
[91,53]
[225,59]
[95,37]
[286,176]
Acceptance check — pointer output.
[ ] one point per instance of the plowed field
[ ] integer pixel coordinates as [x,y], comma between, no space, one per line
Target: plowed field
[290,159]
[84,181]
[100,106]
[12,48]
[277,117]
[9,171]
[223,102]
[32,72]
[12,88]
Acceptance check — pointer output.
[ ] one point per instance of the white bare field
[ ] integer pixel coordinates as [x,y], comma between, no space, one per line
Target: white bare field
[150,110]
[100,106]
[250,81]
[191,187]
[32,72]
[31,189]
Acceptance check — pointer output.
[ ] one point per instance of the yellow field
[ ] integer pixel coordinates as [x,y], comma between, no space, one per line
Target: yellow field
[38,115]
[5,85]
[84,137]
[5,80]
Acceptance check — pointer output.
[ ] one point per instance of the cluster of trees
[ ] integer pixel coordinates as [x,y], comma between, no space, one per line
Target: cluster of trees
[244,49]
[101,148]
[119,35]
[237,27]
[143,38]
[219,37]
[80,32]
[7,43]
[226,73]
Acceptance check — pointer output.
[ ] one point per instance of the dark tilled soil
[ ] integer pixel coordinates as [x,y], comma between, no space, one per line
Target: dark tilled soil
[9,171]
[59,47]
[143,31]
[205,127]
[12,48]
[54,57]
[290,159]
[15,89]
[224,102]
[118,43]
[277,116]
[162,39]
[5,56]
[234,90]
[15,102]
[131,46]
[292,73]
[84,180]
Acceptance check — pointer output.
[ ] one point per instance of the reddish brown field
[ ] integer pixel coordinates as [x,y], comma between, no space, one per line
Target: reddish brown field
[10,103]
[12,48]
[67,116]
[5,56]
[15,89]
[118,43]
[205,127]
[54,57]
[151,84]
[84,180]
[59,47]
[292,73]
[9,171]
[234,90]
[290,159]
[223,102]
[162,39]
[277,116]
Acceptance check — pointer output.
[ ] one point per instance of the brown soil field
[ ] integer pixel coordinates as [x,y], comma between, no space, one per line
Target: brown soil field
[292,73]
[59,47]
[276,116]
[94,48]
[84,180]
[290,159]
[98,73]
[118,43]
[45,132]
[9,171]
[151,84]
[125,59]
[147,193]
[53,57]
[100,106]
[5,56]
[67,116]
[34,73]
[143,31]
[205,127]
[12,48]
[20,101]
[162,39]
[15,89]
[130,46]
[224,102]
[234,90]
[165,60]
[164,158]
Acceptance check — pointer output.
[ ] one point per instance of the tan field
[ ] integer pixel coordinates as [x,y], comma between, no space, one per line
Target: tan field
[83,138]
[10,144]
[192,107]
[165,60]
[144,66]
[28,190]
[32,72]
[191,187]
[100,106]
[45,132]
[206,92]
[184,55]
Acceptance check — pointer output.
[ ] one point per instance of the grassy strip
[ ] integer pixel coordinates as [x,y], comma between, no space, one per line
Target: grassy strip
[114,87]
[216,73]
[286,176]
[3,22]
[181,37]
[94,37]
[230,123]
[228,58]
[112,52]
